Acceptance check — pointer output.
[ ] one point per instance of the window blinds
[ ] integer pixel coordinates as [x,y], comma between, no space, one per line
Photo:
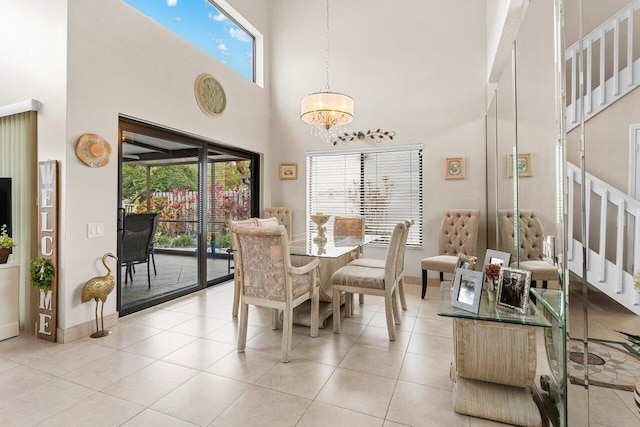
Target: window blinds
[382,184]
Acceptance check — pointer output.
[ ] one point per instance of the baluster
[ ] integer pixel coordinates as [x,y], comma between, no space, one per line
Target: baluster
[616,58]
[574,111]
[603,235]
[570,185]
[589,89]
[585,243]
[619,245]
[630,47]
[603,90]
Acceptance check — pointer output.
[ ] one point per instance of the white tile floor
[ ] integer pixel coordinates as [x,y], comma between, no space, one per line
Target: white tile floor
[177,365]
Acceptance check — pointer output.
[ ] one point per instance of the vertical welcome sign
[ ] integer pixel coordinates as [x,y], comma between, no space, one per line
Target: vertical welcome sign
[48,245]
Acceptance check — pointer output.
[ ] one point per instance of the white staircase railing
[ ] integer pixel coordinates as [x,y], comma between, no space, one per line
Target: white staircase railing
[607,276]
[622,81]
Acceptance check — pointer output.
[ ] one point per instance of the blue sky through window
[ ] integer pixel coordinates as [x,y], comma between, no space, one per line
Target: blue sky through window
[202,24]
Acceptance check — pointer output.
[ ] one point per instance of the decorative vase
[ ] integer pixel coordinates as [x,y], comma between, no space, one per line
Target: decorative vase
[320,221]
[4,255]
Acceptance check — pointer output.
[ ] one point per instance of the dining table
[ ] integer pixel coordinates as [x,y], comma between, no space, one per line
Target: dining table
[334,252]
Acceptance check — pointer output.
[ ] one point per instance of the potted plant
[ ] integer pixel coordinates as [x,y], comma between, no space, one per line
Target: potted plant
[492,273]
[42,273]
[6,243]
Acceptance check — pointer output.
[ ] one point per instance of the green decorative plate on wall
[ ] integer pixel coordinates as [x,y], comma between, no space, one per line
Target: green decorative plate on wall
[210,95]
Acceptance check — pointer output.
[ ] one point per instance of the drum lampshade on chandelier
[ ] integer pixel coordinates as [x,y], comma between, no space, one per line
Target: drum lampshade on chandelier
[327,112]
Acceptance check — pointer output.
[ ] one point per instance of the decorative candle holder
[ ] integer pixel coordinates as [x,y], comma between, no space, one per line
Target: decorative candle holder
[320,220]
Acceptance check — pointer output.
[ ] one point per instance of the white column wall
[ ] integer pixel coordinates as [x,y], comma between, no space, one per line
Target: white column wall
[414,67]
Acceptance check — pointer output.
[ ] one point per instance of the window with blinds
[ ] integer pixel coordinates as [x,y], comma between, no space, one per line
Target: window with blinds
[382,184]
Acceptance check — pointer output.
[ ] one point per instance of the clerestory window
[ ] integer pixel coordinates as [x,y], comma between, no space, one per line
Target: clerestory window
[209,27]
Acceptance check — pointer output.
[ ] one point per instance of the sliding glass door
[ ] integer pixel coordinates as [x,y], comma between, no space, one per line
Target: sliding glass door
[176,194]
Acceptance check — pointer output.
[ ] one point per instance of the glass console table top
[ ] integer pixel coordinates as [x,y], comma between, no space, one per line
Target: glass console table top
[490,311]
[334,247]
[552,300]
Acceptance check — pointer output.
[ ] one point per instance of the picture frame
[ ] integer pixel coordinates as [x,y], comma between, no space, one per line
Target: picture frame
[464,262]
[454,168]
[495,257]
[513,289]
[525,165]
[467,288]
[288,171]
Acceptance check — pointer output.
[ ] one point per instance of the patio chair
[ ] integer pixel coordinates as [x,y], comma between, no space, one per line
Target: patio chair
[137,243]
[269,280]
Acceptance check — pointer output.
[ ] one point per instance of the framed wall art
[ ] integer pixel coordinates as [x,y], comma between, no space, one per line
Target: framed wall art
[454,168]
[288,171]
[525,166]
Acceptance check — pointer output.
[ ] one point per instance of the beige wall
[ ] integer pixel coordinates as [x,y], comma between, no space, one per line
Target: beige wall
[415,67]
[112,60]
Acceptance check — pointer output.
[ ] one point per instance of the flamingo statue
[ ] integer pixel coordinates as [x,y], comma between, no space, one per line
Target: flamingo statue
[98,288]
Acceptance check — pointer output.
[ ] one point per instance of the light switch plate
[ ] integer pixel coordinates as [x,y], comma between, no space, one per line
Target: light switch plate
[95,229]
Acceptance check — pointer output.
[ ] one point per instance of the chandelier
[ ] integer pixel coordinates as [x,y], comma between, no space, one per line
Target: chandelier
[327,112]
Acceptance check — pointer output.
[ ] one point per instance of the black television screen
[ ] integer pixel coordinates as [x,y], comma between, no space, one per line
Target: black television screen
[5,203]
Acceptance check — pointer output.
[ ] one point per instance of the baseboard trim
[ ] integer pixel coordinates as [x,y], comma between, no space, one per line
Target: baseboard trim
[85,329]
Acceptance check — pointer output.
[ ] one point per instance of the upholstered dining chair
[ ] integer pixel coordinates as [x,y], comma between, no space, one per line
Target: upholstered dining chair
[269,280]
[380,263]
[268,222]
[283,214]
[237,277]
[371,281]
[531,238]
[458,235]
[350,227]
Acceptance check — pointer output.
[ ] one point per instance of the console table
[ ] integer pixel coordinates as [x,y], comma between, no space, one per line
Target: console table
[494,363]
[9,303]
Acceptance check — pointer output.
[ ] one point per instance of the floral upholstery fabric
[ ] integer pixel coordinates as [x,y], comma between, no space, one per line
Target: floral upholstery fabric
[343,226]
[362,277]
[263,271]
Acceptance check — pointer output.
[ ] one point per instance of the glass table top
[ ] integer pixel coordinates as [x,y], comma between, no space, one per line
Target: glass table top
[334,246]
[490,310]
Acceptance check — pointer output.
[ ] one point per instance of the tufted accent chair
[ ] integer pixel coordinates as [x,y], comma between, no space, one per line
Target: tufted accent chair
[283,215]
[458,235]
[531,238]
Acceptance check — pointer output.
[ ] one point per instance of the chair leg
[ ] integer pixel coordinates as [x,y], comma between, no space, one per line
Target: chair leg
[403,301]
[153,259]
[396,311]
[544,284]
[336,311]
[275,314]
[388,311]
[424,283]
[148,274]
[287,326]
[315,313]
[236,297]
[242,328]
[348,304]
[361,298]
[441,276]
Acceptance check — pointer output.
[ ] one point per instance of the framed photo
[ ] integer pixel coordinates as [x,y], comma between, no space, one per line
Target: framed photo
[288,171]
[513,288]
[454,168]
[467,287]
[496,257]
[524,165]
[465,262]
